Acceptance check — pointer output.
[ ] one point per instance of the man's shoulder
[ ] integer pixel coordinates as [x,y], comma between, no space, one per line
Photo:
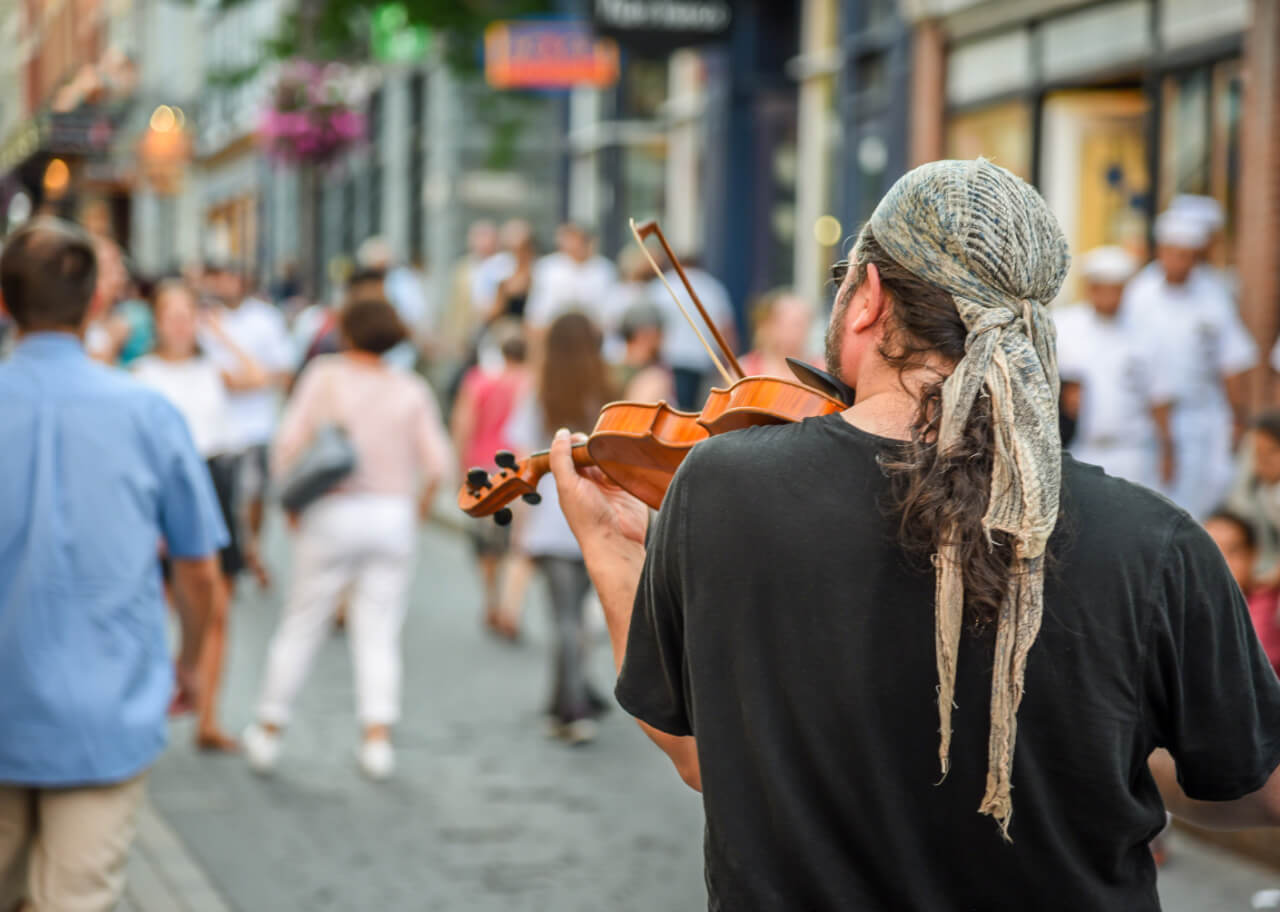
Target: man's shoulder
[1111,512]
[747,456]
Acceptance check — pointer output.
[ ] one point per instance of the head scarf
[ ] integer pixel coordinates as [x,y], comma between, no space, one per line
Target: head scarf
[989,239]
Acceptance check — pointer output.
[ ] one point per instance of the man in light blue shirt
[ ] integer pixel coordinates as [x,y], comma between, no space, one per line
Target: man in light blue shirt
[95,471]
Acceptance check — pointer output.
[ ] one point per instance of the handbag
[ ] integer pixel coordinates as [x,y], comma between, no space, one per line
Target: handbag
[329,458]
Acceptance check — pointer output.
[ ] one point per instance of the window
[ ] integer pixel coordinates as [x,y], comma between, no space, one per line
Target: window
[1000,132]
[1200,147]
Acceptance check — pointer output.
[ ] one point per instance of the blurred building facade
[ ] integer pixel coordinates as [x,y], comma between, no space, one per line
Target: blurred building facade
[65,86]
[760,147]
[1111,108]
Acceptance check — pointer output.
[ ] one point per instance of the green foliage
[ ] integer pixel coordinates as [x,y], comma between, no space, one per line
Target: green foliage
[341,28]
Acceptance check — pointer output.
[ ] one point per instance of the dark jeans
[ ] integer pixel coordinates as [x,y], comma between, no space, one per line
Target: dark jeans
[688,383]
[567,585]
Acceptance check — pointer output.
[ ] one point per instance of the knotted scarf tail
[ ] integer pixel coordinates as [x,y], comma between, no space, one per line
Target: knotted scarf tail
[948,621]
[1020,616]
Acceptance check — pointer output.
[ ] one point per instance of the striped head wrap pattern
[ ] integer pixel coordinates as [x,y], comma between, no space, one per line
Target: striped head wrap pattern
[987,237]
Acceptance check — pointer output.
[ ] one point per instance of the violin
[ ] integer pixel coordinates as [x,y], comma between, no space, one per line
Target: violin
[639,445]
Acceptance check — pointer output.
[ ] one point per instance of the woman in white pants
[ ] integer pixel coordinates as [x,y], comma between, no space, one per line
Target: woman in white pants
[357,539]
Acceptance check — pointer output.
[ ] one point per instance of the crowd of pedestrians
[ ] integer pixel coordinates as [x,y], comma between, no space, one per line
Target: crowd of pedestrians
[1154,364]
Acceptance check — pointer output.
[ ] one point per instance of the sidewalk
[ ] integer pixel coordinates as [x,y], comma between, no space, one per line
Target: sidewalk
[163,877]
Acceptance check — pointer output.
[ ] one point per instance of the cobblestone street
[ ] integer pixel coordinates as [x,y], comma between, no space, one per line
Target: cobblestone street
[485,813]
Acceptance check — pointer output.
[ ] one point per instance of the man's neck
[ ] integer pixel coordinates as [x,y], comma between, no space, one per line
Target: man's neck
[888,400]
[888,414]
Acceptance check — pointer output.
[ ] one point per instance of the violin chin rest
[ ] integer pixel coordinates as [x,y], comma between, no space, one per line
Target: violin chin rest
[821,380]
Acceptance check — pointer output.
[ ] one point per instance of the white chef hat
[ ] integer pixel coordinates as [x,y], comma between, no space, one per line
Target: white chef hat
[1108,265]
[1206,209]
[1175,228]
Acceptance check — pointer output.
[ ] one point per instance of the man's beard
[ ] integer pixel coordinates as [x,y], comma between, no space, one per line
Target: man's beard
[835,334]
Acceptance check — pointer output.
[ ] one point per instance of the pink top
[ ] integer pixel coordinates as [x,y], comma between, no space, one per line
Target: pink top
[492,396]
[1263,604]
[390,415]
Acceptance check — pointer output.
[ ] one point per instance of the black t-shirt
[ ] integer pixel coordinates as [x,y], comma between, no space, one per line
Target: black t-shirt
[779,622]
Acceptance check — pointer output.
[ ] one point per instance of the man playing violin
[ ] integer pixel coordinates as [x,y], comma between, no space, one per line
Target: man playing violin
[840,629]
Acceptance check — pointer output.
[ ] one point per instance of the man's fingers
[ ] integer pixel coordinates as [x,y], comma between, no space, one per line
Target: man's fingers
[562,459]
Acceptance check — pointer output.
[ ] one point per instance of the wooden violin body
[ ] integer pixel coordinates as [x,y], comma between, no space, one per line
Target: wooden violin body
[640,445]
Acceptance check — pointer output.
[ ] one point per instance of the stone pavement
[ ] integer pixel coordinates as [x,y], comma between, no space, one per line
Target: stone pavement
[484,814]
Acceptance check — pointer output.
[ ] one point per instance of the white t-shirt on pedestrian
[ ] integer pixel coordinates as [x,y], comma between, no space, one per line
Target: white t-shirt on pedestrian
[1121,379]
[1198,335]
[195,388]
[1209,276]
[259,329]
[543,532]
[680,345]
[561,283]
[486,276]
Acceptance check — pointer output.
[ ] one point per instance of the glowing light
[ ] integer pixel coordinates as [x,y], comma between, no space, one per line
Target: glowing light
[826,230]
[57,177]
[163,119]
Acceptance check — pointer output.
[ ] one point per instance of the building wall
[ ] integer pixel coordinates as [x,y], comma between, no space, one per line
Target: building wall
[1259,226]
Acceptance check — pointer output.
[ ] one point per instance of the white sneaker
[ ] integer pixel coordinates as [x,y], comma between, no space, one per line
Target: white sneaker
[377,759]
[580,731]
[261,748]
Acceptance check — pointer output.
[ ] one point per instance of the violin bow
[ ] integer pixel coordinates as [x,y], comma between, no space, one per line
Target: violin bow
[640,232]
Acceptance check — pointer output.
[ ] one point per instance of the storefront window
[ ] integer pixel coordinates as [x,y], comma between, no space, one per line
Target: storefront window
[1185,150]
[1093,168]
[644,177]
[1000,132]
[1200,152]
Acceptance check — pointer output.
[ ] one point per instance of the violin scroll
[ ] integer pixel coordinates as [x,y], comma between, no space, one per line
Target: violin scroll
[487,494]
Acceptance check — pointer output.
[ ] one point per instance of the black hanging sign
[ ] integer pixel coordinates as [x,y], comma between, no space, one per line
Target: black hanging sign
[661,26]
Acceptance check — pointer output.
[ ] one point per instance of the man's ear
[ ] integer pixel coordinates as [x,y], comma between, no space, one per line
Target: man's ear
[4,311]
[872,300]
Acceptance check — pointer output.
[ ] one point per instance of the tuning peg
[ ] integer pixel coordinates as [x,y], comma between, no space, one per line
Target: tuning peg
[502,517]
[533,498]
[477,478]
[505,459]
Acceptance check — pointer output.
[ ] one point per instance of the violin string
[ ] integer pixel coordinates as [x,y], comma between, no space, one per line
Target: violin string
[671,291]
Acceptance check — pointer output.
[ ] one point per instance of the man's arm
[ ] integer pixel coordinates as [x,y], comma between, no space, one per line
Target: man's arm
[610,525]
[1257,809]
[197,584]
[615,570]
[1161,415]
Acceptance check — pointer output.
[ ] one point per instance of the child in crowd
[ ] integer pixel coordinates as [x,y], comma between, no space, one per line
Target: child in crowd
[1256,495]
[1235,537]
[485,402]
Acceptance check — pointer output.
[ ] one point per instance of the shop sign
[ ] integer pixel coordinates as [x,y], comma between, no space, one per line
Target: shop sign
[547,54]
[659,26]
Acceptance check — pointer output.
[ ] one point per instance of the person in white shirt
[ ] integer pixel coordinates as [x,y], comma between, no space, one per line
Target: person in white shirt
[572,278]
[494,269]
[1114,384]
[1207,212]
[572,383]
[1196,331]
[681,349]
[193,383]
[250,325]
[406,289]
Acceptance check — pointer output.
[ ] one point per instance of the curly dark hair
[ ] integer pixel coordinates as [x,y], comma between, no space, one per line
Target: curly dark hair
[939,498]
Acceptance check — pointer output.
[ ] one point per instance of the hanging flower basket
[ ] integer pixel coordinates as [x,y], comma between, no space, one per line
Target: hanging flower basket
[313,116]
